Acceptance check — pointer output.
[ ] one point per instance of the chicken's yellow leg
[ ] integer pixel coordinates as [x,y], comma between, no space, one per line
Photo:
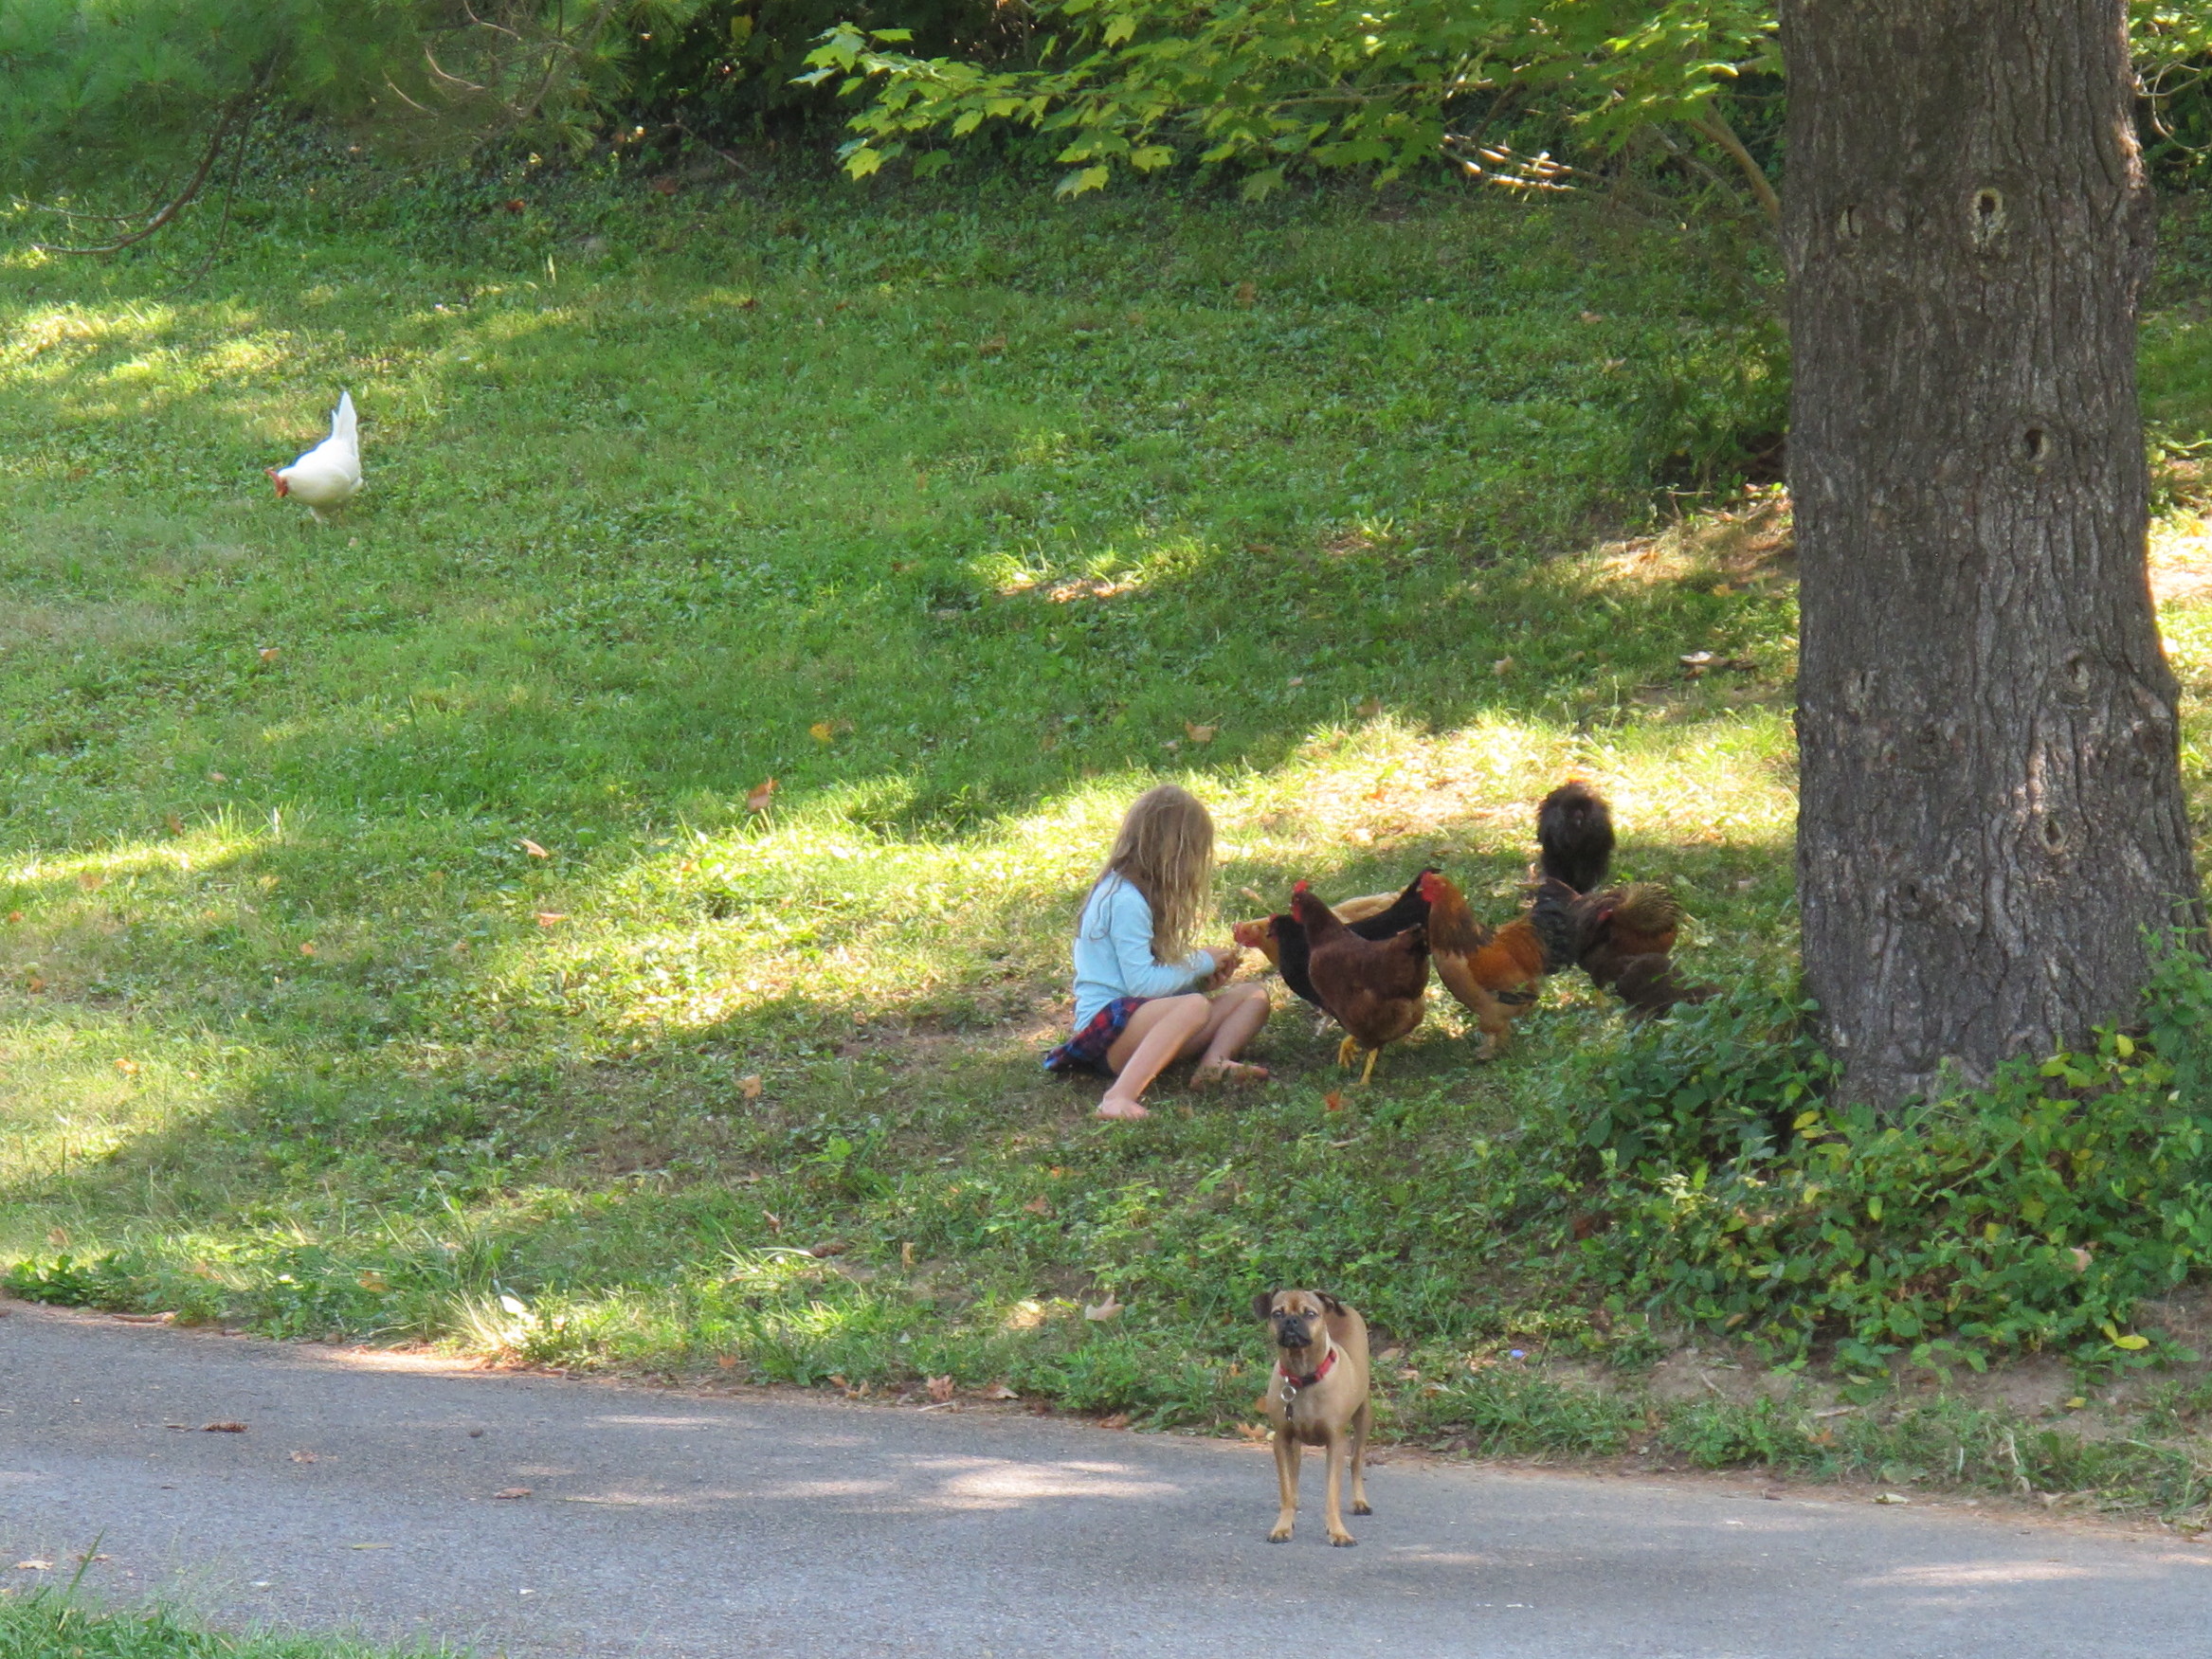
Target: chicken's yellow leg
[1346,1050]
[1367,1075]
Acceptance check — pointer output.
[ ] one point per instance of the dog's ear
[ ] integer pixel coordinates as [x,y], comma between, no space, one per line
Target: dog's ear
[1330,1302]
[1263,1305]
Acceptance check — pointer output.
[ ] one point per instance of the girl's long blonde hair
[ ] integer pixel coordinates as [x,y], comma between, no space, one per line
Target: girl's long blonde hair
[1165,850]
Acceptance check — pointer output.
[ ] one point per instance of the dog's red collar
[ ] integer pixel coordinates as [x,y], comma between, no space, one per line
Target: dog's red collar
[1294,1382]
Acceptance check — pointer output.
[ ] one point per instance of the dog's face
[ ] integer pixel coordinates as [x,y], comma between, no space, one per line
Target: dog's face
[1298,1318]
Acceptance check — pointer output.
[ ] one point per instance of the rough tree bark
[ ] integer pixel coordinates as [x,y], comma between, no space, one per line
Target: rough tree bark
[1991,811]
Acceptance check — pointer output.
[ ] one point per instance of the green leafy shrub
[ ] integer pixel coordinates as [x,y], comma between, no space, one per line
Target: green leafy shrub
[2030,1214]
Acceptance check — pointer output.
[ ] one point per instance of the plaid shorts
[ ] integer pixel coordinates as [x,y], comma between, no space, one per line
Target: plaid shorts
[1086,1050]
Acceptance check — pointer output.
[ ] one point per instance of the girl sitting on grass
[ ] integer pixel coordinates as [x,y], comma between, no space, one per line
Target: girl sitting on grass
[1141,1004]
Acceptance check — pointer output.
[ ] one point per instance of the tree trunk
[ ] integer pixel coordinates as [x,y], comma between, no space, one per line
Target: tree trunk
[1991,812]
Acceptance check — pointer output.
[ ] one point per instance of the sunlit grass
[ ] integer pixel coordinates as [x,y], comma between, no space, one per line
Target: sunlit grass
[51,1625]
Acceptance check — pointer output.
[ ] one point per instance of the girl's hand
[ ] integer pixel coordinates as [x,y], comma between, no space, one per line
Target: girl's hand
[1225,963]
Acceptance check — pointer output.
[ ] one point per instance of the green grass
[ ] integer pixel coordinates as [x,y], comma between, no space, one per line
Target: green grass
[47,1625]
[964,518]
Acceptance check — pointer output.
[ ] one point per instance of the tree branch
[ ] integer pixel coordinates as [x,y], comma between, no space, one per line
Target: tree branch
[183,198]
[1713,126]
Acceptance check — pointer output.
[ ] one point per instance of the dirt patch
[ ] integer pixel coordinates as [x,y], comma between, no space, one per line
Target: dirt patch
[1752,544]
[1690,1374]
[2181,560]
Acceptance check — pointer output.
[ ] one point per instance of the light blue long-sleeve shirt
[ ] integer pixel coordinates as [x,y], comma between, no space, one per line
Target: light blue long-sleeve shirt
[1114,953]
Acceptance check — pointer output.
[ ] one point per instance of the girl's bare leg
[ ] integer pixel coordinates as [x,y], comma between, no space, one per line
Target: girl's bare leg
[1235,1018]
[1157,1034]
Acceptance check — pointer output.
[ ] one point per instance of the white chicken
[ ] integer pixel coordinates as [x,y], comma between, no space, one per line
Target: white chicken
[328,475]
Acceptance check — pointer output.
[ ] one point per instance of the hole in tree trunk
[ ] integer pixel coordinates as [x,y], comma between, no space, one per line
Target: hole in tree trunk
[2035,445]
[1988,217]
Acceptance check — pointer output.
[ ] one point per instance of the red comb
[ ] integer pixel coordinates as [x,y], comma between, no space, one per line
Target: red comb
[1300,886]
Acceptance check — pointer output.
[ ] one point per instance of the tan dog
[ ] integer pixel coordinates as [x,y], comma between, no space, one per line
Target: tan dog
[1318,1395]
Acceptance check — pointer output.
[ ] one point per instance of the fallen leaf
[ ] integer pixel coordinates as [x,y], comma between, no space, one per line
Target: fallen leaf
[761,794]
[533,849]
[1039,1205]
[1372,707]
[750,1085]
[91,880]
[991,347]
[34,1566]
[269,653]
[368,1546]
[1098,1312]
[552,918]
[726,1361]
[1892,1498]
[370,1279]
[1334,1100]
[1000,1391]
[222,1428]
[217,778]
[516,204]
[1591,317]
[304,1457]
[175,826]
[829,1247]
[1504,665]
[34,983]
[1247,293]
[941,1389]
[1696,658]
[2081,1259]
[58,1237]
[776,1223]
[1199,734]
[1118,1420]
[1257,1431]
[308,948]
[821,731]
[665,185]
[128,1068]
[750,302]
[511,1492]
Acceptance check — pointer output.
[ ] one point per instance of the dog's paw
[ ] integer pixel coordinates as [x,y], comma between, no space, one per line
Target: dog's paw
[1280,1534]
[1343,1540]
[1363,1507]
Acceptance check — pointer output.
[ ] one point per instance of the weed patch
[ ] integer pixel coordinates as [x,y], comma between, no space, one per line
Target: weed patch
[2037,1213]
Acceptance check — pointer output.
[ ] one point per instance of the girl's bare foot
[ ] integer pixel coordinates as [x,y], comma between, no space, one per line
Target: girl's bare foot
[1239,1074]
[1123,1110]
